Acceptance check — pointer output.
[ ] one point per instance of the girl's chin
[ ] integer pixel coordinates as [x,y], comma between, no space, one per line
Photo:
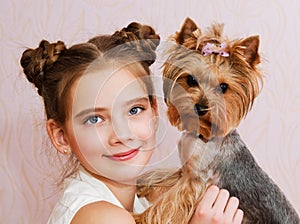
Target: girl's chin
[127,176]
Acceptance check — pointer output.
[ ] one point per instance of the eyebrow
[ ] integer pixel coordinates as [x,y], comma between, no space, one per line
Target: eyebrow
[87,111]
[100,109]
[138,99]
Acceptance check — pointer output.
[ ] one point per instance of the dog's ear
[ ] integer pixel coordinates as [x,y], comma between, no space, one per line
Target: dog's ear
[251,45]
[188,27]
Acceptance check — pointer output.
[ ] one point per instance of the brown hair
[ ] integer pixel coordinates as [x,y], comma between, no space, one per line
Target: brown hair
[134,43]
[53,68]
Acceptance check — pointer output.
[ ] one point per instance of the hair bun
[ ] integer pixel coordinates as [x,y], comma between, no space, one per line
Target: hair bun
[143,38]
[144,32]
[36,61]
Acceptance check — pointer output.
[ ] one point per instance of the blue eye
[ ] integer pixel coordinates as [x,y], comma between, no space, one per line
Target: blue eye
[93,120]
[135,110]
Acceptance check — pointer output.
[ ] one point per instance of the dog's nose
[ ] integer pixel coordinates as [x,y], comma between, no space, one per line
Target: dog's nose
[200,109]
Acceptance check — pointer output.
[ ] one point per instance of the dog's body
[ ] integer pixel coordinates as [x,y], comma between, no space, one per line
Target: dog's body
[210,83]
[228,163]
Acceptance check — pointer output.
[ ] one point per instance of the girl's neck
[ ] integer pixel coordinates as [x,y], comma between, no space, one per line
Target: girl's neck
[125,193]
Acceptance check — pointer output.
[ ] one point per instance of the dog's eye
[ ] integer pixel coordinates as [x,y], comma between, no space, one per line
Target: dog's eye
[191,81]
[223,87]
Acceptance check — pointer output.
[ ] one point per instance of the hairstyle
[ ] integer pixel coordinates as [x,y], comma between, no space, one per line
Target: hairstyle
[53,68]
[132,44]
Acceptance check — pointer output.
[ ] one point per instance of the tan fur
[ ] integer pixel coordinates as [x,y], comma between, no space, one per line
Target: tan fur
[154,183]
[174,196]
[223,112]
[238,71]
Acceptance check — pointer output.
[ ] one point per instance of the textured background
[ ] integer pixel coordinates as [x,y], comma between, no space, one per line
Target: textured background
[27,162]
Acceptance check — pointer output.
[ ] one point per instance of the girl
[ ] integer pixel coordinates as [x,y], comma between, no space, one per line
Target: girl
[101,111]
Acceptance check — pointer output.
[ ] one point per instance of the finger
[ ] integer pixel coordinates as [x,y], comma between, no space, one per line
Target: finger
[209,197]
[231,207]
[238,217]
[221,201]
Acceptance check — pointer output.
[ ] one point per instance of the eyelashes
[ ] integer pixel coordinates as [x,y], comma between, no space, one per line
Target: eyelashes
[94,119]
[136,110]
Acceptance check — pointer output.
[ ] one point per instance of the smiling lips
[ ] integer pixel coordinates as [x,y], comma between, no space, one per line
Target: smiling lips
[124,156]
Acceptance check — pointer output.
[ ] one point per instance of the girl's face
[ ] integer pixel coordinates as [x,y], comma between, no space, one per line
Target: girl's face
[111,128]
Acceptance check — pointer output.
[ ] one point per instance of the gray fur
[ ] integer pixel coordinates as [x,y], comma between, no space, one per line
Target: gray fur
[228,163]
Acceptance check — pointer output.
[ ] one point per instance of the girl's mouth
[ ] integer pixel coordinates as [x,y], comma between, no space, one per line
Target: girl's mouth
[124,156]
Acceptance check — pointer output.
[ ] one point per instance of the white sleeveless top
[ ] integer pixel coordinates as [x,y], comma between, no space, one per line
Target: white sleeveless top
[82,189]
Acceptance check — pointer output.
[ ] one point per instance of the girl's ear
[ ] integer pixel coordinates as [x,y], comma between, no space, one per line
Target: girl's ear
[57,136]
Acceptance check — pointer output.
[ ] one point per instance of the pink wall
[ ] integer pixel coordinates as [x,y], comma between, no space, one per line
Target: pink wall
[272,129]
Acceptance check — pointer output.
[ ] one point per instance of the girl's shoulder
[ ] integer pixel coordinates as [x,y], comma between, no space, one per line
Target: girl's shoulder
[102,212]
[81,191]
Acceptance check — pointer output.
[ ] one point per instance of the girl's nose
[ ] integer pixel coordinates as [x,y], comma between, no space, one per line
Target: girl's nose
[120,132]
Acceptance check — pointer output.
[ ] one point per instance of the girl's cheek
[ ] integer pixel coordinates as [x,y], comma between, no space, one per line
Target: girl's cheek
[89,141]
[143,130]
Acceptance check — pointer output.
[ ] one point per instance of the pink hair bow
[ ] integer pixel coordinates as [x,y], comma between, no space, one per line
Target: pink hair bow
[210,48]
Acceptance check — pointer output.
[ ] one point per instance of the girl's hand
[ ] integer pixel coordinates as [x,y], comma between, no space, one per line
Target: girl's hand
[217,207]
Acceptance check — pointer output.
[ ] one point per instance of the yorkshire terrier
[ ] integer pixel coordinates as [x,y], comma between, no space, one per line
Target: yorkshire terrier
[210,83]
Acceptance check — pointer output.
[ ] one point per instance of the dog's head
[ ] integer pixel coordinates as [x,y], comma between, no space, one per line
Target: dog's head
[210,82]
